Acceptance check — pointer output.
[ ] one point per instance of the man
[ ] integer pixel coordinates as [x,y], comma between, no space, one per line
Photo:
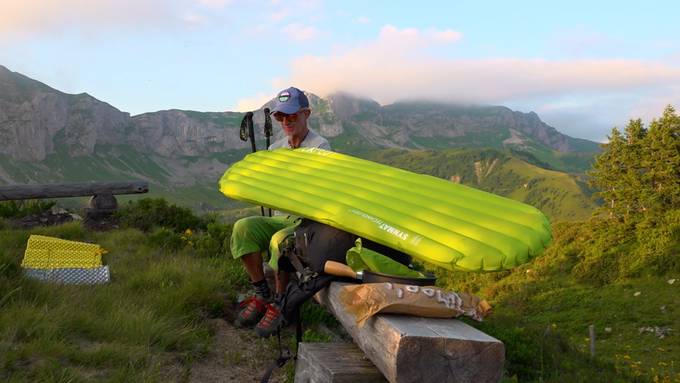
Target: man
[252,236]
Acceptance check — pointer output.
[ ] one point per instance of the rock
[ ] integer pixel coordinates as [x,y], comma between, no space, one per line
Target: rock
[58,210]
[45,218]
[660,332]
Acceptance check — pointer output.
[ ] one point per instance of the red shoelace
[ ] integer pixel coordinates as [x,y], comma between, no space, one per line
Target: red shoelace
[258,304]
[271,314]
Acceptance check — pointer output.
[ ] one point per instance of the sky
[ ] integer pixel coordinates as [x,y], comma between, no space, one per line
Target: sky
[583,66]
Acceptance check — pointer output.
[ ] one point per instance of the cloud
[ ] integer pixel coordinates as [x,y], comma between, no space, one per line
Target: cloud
[401,64]
[397,65]
[31,17]
[253,103]
[300,32]
[446,36]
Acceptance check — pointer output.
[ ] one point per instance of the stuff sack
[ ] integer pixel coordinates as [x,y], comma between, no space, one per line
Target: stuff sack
[363,301]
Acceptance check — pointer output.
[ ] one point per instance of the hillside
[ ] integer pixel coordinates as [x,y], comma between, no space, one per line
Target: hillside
[559,195]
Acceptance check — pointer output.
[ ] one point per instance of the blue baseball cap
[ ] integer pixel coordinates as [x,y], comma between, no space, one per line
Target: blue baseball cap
[290,101]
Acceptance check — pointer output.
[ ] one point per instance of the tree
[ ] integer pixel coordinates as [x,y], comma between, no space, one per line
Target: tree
[663,161]
[638,173]
[607,172]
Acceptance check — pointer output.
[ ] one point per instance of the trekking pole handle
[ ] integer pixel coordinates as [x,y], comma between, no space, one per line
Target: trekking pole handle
[340,270]
[251,130]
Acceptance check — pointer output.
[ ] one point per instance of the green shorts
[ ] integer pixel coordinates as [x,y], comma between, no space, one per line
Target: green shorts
[258,234]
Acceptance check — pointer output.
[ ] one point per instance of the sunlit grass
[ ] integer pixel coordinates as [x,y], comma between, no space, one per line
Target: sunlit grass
[149,319]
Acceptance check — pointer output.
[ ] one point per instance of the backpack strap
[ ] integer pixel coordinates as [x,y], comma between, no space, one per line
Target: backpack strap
[283,359]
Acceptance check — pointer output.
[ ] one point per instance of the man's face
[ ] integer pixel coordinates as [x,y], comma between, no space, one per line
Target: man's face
[293,124]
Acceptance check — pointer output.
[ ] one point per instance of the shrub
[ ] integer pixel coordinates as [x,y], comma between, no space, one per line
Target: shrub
[18,209]
[215,241]
[147,213]
[166,239]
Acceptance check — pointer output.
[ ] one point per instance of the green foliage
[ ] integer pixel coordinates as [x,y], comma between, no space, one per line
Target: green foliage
[18,209]
[165,239]
[638,174]
[215,241]
[147,213]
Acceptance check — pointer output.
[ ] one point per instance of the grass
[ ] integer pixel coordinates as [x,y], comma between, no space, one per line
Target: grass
[148,322]
[542,311]
[151,323]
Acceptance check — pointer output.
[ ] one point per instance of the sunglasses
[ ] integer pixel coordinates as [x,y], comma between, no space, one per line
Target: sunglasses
[279,116]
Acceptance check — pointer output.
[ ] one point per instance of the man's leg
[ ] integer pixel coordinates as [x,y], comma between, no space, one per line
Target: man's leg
[251,236]
[253,264]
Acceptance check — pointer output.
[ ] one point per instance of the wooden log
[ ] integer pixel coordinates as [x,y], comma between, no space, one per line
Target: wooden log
[334,363]
[18,192]
[414,349]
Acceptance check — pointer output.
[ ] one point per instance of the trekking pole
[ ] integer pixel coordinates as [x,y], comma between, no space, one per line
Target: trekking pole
[248,132]
[267,134]
[268,131]
[251,130]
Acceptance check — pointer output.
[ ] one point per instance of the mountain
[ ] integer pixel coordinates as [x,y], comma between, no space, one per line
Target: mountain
[35,119]
[51,136]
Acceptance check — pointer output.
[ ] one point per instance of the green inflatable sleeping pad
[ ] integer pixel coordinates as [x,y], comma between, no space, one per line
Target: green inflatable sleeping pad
[433,220]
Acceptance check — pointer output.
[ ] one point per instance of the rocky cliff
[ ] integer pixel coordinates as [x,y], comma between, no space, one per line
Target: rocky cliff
[36,120]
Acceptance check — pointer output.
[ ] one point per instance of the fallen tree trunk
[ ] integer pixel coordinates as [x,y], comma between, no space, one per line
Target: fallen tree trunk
[414,349]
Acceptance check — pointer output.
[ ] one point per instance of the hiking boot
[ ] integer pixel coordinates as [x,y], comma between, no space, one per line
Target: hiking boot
[252,311]
[271,322]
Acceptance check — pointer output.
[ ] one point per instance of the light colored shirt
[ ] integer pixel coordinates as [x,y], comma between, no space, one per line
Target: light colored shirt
[312,140]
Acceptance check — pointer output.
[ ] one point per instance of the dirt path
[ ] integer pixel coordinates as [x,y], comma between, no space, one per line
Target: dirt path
[237,355]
